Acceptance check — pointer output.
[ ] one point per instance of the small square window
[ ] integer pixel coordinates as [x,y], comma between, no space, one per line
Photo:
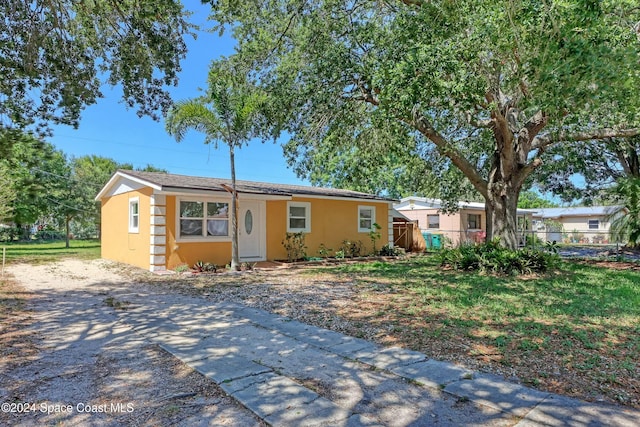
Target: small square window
[134,215]
[298,217]
[473,222]
[433,221]
[594,224]
[366,218]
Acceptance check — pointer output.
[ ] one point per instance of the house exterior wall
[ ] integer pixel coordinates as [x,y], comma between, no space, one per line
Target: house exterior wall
[118,244]
[452,226]
[182,252]
[332,221]
[575,229]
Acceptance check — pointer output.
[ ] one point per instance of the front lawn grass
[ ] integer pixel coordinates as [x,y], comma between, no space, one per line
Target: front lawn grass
[575,331]
[42,252]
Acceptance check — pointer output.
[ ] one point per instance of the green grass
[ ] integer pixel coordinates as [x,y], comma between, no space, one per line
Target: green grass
[574,318]
[43,252]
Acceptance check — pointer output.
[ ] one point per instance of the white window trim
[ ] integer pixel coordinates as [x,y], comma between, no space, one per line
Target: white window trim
[307,218]
[373,218]
[597,221]
[133,229]
[195,239]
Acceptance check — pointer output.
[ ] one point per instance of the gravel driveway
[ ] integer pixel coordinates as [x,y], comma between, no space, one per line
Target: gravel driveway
[91,369]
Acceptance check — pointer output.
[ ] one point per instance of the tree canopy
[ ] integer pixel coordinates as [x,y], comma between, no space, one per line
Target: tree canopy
[56,55]
[485,86]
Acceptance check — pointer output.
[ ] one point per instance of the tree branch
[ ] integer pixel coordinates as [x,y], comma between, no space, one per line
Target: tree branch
[422,125]
[549,139]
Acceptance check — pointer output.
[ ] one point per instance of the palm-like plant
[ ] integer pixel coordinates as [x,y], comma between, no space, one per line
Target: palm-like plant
[626,226]
[228,112]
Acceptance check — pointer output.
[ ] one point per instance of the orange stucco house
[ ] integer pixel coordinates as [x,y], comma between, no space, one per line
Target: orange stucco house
[158,221]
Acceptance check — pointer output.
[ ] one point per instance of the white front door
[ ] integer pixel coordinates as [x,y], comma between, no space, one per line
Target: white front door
[251,230]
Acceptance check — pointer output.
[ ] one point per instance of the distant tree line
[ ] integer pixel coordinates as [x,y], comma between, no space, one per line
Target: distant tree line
[45,194]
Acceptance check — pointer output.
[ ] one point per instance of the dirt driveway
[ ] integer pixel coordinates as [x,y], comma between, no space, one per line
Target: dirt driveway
[69,361]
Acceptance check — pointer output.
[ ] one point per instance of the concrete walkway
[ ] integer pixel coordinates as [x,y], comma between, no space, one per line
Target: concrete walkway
[293,374]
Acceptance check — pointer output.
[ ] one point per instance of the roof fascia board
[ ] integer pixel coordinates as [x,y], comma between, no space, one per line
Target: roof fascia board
[172,191]
[118,176]
[316,196]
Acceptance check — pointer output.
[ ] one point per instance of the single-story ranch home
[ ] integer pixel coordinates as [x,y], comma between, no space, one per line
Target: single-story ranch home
[468,224]
[576,224]
[159,221]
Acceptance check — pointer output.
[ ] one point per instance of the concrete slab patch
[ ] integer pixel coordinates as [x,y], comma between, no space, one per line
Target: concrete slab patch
[493,391]
[432,373]
[389,358]
[227,368]
[281,401]
[351,347]
[233,386]
[564,411]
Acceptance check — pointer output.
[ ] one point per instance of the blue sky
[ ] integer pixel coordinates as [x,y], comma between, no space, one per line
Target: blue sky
[108,129]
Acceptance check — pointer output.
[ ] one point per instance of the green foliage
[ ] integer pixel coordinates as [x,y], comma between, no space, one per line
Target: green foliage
[351,249]
[531,199]
[340,254]
[182,268]
[324,251]
[551,247]
[294,245]
[56,56]
[201,266]
[625,226]
[388,250]
[491,257]
[375,235]
[482,87]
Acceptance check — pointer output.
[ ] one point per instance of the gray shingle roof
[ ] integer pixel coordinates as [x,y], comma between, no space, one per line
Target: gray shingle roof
[176,182]
[576,211]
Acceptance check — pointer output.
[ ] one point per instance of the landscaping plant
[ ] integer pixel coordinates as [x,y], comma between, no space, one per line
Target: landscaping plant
[490,257]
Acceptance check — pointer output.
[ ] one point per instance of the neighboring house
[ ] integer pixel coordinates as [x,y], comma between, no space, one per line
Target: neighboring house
[468,224]
[158,221]
[575,224]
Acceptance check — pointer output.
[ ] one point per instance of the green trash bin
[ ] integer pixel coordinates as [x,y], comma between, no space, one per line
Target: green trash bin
[436,241]
[427,239]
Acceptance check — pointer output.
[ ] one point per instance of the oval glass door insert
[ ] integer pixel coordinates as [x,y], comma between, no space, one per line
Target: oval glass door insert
[248,222]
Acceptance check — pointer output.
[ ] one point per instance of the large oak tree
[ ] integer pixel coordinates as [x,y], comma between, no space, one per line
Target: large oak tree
[489,86]
[55,55]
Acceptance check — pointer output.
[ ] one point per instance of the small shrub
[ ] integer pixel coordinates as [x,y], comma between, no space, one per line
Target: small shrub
[375,235]
[248,266]
[324,251]
[388,250]
[351,249]
[209,267]
[198,266]
[182,268]
[294,244]
[492,258]
[340,254]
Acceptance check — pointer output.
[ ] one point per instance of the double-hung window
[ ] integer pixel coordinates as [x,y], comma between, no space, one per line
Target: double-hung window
[298,217]
[366,218]
[594,224]
[134,215]
[204,219]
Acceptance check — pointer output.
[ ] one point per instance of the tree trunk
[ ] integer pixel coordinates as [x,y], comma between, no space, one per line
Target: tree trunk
[67,221]
[235,258]
[503,221]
